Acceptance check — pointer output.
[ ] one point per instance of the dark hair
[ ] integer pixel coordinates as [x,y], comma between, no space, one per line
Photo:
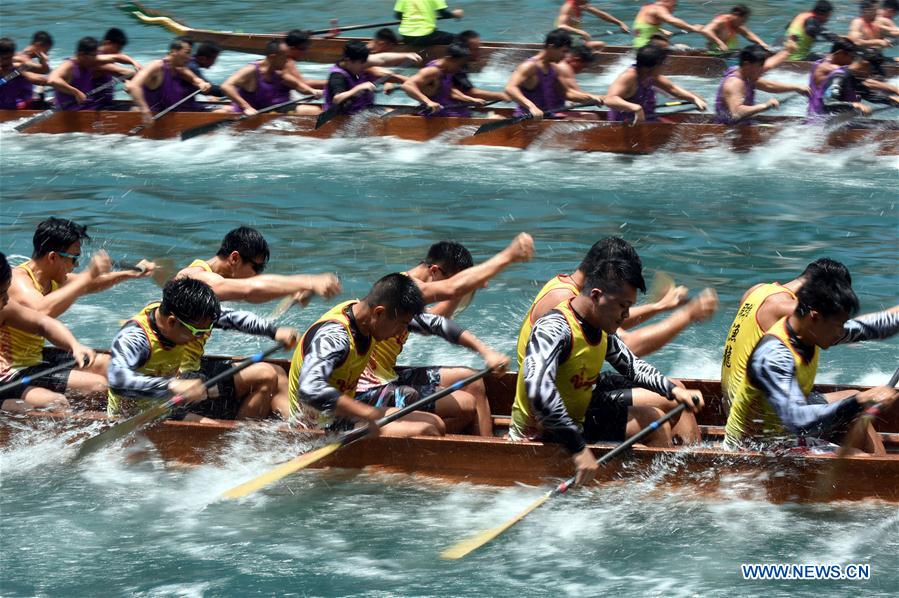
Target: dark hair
[42,37]
[828,294]
[584,54]
[297,38]
[56,234]
[5,271]
[246,241]
[273,47]
[387,34]
[557,38]
[753,54]
[179,42]
[611,275]
[398,293]
[866,4]
[827,267]
[86,45]
[610,248]
[7,46]
[741,10]
[844,44]
[892,4]
[452,257]
[356,51]
[875,60]
[467,35]
[208,50]
[651,56]
[822,7]
[458,51]
[116,36]
[190,300]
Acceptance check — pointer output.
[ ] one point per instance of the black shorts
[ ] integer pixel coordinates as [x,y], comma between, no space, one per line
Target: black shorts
[435,38]
[223,402]
[606,417]
[56,382]
[389,395]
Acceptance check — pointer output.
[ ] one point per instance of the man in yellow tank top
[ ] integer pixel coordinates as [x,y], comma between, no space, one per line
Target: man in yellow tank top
[773,402]
[148,355]
[45,391]
[47,283]
[554,400]
[446,278]
[236,273]
[634,405]
[651,17]
[330,357]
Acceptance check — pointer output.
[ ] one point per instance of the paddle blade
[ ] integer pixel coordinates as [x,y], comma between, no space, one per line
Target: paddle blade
[326,116]
[283,306]
[164,271]
[662,282]
[205,129]
[35,119]
[281,471]
[499,124]
[95,443]
[457,551]
[402,110]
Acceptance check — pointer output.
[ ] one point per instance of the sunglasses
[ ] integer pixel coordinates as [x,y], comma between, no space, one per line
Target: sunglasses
[258,267]
[72,256]
[197,332]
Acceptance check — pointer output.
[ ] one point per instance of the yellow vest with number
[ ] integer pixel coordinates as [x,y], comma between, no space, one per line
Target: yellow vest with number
[20,349]
[195,349]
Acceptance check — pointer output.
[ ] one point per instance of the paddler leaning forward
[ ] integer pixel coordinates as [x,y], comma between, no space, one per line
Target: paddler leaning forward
[435,85]
[634,91]
[536,85]
[774,406]
[351,81]
[564,355]
[77,77]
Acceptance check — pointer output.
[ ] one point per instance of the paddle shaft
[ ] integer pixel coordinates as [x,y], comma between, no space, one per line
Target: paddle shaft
[420,109]
[358,27]
[141,127]
[50,112]
[499,124]
[26,380]
[15,73]
[337,109]
[208,128]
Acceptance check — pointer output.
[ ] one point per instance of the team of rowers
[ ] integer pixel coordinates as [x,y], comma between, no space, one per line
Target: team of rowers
[344,368]
[541,86]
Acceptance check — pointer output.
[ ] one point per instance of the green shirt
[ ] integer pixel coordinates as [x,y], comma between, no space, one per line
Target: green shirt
[419,16]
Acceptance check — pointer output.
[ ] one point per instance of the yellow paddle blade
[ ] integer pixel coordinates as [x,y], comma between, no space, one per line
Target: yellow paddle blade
[281,471]
[457,551]
[661,283]
[282,307]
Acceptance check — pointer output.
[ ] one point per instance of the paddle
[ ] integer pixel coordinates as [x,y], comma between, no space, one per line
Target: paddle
[857,432]
[505,122]
[26,380]
[462,548]
[230,122]
[307,459]
[12,75]
[51,111]
[141,127]
[421,109]
[358,27]
[122,429]
[337,109]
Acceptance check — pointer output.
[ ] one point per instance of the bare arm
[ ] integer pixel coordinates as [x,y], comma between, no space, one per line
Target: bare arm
[653,337]
[623,87]
[301,85]
[513,88]
[607,17]
[393,59]
[57,302]
[266,287]
[776,87]
[751,36]
[238,80]
[412,86]
[35,322]
[145,76]
[666,85]
[58,80]
[734,99]
[710,32]
[119,58]
[857,35]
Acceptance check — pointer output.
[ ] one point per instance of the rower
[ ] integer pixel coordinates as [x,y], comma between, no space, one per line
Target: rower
[78,76]
[18,322]
[204,58]
[446,277]
[885,16]
[535,85]
[865,30]
[833,89]
[235,273]
[334,351]
[434,85]
[153,357]
[472,40]
[805,29]
[651,17]
[18,92]
[630,404]
[570,19]
[381,53]
[110,52]
[735,102]
[726,28]
[418,21]
[773,404]
[37,53]
[554,398]
[634,90]
[46,283]
[351,81]
[265,83]
[165,82]
[297,42]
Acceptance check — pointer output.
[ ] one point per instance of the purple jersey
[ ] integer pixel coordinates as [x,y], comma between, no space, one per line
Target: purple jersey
[268,92]
[444,96]
[15,93]
[547,95]
[722,114]
[172,90]
[357,103]
[84,80]
[816,108]
[645,97]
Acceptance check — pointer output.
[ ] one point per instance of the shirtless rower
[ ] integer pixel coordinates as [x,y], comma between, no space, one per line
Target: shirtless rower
[633,92]
[434,85]
[472,40]
[265,83]
[726,28]
[37,54]
[76,77]
[535,85]
[351,82]
[651,17]
[297,42]
[165,82]
[570,19]
[153,358]
[446,277]
[773,404]
[631,406]
[735,102]
[564,353]
[235,273]
[807,27]
[18,91]
[865,30]
[109,52]
[380,50]
[885,18]
[418,21]
[16,321]
[46,283]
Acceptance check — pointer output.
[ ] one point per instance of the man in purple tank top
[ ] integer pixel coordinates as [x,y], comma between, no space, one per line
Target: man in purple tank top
[77,77]
[17,90]
[165,82]
[350,81]
[434,86]
[633,92]
[536,84]
[735,102]
[264,83]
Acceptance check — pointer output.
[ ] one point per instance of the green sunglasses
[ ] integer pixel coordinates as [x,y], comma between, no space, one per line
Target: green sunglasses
[197,332]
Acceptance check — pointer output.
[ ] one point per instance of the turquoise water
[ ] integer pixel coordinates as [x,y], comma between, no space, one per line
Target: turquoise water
[363,208]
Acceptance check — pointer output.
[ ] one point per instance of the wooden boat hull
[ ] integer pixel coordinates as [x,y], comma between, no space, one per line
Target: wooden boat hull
[684,132]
